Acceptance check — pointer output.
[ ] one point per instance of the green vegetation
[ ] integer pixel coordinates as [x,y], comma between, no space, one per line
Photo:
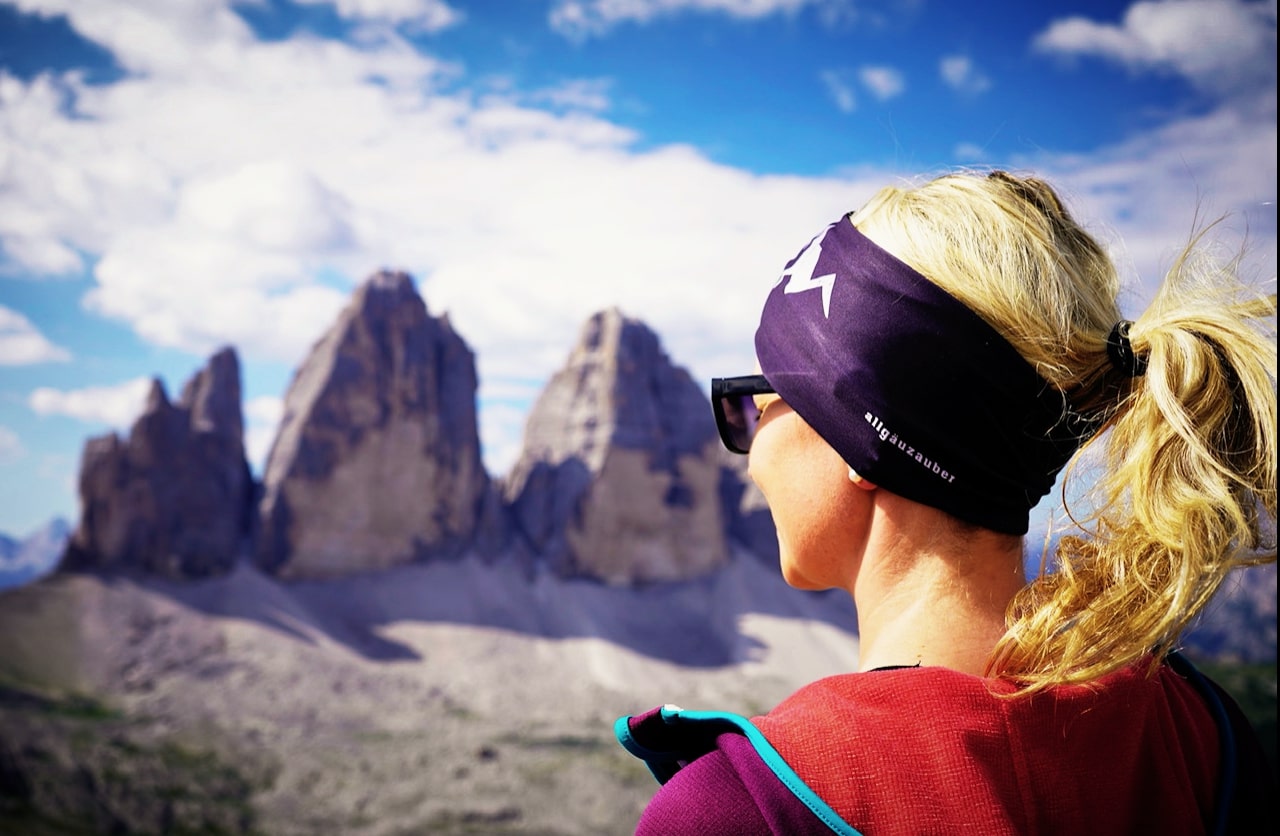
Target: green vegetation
[70,764]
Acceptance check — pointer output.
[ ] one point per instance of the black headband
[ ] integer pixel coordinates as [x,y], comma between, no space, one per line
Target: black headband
[913,389]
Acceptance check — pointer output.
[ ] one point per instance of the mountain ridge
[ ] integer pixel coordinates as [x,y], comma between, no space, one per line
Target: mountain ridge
[621,478]
[376,462]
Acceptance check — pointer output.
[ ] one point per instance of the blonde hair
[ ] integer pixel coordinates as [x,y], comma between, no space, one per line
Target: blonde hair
[1187,488]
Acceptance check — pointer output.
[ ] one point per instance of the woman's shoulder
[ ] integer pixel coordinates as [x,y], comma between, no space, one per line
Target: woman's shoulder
[898,689]
[896,745]
[889,692]
[896,740]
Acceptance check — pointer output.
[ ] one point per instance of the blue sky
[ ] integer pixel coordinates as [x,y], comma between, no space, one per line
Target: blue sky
[178,175]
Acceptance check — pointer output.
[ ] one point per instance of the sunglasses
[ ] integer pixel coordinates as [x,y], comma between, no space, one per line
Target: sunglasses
[733,400]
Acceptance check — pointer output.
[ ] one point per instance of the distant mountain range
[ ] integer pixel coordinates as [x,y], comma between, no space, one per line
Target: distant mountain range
[376,464]
[23,561]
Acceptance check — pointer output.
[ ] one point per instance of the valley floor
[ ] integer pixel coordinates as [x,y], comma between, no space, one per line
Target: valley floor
[456,698]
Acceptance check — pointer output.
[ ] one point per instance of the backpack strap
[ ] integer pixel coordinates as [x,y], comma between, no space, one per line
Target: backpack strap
[668,738]
[1229,759]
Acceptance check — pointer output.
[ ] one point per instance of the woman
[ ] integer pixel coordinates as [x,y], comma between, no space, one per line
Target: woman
[928,365]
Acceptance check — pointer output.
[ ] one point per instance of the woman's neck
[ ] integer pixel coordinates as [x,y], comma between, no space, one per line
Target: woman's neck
[927,593]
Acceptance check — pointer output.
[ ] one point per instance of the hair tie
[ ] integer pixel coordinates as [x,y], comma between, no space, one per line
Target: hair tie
[1120,351]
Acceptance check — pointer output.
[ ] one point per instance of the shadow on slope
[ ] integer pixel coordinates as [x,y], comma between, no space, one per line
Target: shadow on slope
[695,623]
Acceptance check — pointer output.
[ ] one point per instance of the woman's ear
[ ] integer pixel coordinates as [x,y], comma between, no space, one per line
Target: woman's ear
[861,482]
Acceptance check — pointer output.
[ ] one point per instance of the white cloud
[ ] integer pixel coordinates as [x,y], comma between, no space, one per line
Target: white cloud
[156,35]
[262,417]
[69,193]
[1218,45]
[960,74]
[884,82]
[42,254]
[22,344]
[1144,194]
[579,19]
[421,15]
[116,406]
[578,94]
[518,221]
[505,213]
[840,90]
[502,428]
[10,446]
[270,206]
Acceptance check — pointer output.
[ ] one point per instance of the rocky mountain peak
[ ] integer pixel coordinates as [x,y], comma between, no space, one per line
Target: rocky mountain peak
[618,389]
[174,498]
[383,294]
[213,397]
[619,474]
[377,461]
[395,286]
[157,398]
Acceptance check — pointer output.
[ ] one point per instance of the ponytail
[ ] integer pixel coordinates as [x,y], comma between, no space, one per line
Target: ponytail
[1182,463]
[1186,490]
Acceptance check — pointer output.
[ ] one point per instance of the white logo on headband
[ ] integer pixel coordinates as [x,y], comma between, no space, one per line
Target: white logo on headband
[891,438]
[802,273]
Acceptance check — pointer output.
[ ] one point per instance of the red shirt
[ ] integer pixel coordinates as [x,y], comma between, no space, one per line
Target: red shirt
[930,750]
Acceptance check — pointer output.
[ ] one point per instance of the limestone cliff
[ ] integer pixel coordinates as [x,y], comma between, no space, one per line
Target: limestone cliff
[174,498]
[620,473]
[377,460]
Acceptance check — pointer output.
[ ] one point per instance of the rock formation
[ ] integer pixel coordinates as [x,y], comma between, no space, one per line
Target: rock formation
[377,461]
[620,474]
[173,499]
